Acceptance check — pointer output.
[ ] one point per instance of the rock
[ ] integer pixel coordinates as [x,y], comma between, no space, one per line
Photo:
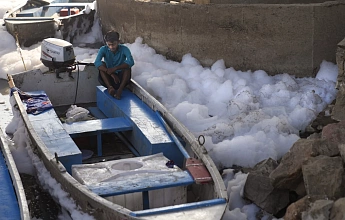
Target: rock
[323,118]
[338,110]
[288,175]
[325,147]
[300,190]
[334,132]
[337,211]
[294,211]
[320,209]
[341,148]
[314,136]
[259,190]
[324,175]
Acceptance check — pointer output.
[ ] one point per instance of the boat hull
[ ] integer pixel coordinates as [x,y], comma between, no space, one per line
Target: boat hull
[95,205]
[30,30]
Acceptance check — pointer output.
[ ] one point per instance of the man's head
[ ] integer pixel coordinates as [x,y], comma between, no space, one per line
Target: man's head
[112,39]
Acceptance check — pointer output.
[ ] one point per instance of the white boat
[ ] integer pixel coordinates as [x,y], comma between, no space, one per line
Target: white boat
[36,20]
[169,175]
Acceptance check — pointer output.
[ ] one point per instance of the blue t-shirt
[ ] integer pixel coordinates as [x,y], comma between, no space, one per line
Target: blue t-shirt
[122,55]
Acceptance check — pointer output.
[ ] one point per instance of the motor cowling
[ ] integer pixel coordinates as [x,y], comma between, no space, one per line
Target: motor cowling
[57,54]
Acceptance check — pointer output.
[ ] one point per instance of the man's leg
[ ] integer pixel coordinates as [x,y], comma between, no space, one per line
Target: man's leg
[126,76]
[106,81]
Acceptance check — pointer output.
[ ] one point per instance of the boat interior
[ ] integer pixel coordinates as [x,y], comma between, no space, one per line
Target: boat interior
[125,152]
[113,148]
[42,9]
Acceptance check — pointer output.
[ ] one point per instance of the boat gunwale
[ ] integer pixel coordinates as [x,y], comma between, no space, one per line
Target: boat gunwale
[16,179]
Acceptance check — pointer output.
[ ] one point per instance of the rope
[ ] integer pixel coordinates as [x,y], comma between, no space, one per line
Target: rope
[76,89]
[20,50]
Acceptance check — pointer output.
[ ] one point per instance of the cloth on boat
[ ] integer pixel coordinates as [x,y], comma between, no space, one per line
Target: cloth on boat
[36,103]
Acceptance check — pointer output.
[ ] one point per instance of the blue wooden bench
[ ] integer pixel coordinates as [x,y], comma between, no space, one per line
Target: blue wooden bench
[151,182]
[98,127]
[32,12]
[148,135]
[51,131]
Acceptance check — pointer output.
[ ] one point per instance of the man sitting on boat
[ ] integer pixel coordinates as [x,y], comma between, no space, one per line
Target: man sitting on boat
[115,69]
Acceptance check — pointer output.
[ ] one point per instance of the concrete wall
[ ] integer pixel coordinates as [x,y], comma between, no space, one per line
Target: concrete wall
[266,1]
[289,38]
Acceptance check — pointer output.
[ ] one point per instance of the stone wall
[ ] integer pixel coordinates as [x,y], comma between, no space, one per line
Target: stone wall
[277,38]
[339,107]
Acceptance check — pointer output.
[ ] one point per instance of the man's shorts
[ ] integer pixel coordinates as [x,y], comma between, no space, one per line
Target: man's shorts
[113,84]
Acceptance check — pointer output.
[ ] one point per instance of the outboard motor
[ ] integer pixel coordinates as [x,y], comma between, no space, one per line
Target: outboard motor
[58,56]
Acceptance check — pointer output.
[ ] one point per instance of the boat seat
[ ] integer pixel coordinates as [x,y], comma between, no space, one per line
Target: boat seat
[151,182]
[149,135]
[49,128]
[98,127]
[32,12]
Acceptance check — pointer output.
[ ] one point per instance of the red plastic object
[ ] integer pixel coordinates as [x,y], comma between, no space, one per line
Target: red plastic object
[64,11]
[198,171]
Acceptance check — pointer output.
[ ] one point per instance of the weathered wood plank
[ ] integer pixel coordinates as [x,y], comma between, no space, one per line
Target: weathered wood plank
[103,125]
[138,183]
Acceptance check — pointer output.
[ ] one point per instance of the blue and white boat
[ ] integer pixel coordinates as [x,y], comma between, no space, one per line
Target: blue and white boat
[165,172]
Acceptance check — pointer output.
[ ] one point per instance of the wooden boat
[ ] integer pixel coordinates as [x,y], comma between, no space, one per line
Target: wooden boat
[166,172]
[36,20]
[14,204]
[141,186]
